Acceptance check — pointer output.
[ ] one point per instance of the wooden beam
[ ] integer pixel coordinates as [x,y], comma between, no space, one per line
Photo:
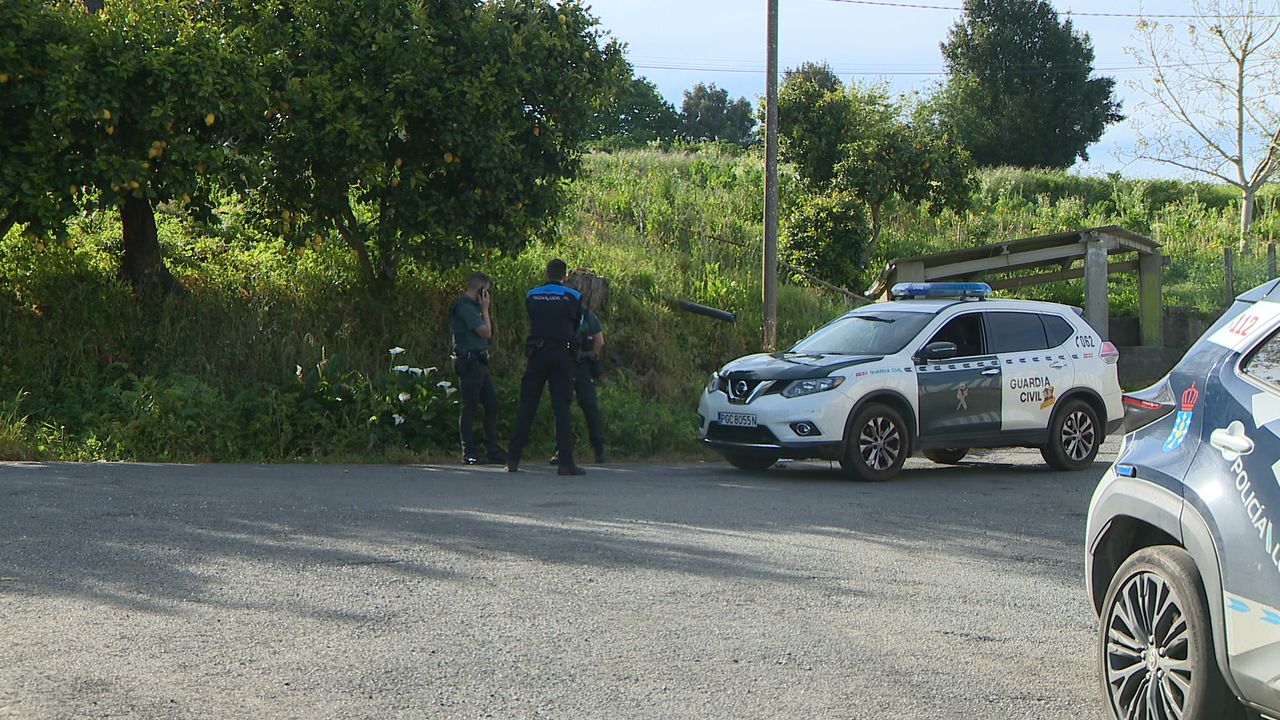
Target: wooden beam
[1097,301]
[1044,278]
[1006,263]
[1151,299]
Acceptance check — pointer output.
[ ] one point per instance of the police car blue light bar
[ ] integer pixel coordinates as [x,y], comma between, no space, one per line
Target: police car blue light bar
[940,290]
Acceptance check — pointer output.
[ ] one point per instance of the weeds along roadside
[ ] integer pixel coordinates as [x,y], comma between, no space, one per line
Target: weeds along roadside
[278,356]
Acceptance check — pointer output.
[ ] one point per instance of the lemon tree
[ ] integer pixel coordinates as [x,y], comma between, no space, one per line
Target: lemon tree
[141,103]
[429,131]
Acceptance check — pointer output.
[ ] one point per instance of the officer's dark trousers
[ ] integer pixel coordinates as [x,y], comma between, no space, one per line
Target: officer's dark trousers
[548,365]
[584,386]
[476,388]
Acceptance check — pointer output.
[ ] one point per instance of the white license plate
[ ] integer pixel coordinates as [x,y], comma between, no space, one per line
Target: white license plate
[737,419]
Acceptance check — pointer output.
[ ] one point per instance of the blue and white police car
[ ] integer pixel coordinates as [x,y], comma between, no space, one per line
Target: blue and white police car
[1182,545]
[940,369]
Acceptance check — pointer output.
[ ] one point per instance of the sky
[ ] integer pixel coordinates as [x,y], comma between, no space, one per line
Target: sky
[679,43]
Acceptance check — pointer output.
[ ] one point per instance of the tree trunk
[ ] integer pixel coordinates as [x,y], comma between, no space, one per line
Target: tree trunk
[875,234]
[347,229]
[141,263]
[389,266]
[1246,219]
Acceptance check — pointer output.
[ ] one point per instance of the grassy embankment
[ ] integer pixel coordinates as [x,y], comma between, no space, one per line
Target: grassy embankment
[276,356]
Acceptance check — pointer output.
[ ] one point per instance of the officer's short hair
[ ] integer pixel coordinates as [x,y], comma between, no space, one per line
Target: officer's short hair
[557,269]
[477,279]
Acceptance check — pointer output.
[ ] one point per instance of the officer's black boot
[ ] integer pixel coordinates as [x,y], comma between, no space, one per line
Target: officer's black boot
[566,469]
[471,457]
[601,458]
[568,466]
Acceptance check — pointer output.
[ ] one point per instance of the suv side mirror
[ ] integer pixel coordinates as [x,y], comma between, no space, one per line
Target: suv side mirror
[937,351]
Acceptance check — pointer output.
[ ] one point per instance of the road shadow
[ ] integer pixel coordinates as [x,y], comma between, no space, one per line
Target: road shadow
[151,537]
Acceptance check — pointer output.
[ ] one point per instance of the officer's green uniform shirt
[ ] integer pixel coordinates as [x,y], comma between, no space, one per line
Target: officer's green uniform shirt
[463,321]
[589,326]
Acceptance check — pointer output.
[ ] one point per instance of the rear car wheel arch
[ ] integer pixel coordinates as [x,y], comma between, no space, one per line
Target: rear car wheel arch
[1124,537]
[1092,398]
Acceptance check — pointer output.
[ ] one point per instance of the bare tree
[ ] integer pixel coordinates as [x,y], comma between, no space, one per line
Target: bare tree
[1213,95]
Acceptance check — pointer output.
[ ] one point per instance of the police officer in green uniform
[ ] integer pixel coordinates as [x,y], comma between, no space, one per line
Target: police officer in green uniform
[555,312]
[472,329]
[586,370]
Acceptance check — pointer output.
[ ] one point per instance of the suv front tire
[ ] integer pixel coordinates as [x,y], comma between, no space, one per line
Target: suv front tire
[876,443]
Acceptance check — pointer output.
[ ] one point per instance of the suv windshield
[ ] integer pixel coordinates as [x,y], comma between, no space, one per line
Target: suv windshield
[865,333]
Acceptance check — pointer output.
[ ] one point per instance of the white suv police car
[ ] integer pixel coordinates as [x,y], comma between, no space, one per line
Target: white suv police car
[940,369]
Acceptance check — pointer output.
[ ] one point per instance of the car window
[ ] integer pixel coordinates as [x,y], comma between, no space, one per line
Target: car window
[1057,329]
[965,331]
[1015,332]
[880,332]
[1264,363]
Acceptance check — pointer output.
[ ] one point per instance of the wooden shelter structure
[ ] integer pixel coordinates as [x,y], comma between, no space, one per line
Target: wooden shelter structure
[1056,256]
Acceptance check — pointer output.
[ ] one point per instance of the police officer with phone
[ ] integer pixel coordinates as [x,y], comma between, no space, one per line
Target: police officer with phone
[472,328]
[555,312]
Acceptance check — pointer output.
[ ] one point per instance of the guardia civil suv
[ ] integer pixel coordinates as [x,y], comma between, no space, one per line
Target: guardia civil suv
[940,369]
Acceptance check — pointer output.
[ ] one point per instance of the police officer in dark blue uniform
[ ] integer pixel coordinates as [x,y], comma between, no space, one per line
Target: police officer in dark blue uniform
[555,312]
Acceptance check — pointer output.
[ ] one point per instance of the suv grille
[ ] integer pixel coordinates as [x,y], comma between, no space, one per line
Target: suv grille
[742,435]
[742,390]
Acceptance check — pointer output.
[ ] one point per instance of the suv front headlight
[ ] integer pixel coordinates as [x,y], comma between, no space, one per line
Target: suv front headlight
[809,387]
[714,383]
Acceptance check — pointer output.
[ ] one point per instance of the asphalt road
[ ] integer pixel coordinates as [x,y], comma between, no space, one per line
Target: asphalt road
[638,591]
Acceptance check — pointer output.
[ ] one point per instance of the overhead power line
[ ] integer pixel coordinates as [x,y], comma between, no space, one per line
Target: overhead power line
[1135,16]
[873,73]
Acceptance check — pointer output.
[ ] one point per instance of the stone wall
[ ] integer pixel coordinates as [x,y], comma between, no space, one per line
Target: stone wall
[1140,366]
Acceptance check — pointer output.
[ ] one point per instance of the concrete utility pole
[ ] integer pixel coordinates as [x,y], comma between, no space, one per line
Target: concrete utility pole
[771,186]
